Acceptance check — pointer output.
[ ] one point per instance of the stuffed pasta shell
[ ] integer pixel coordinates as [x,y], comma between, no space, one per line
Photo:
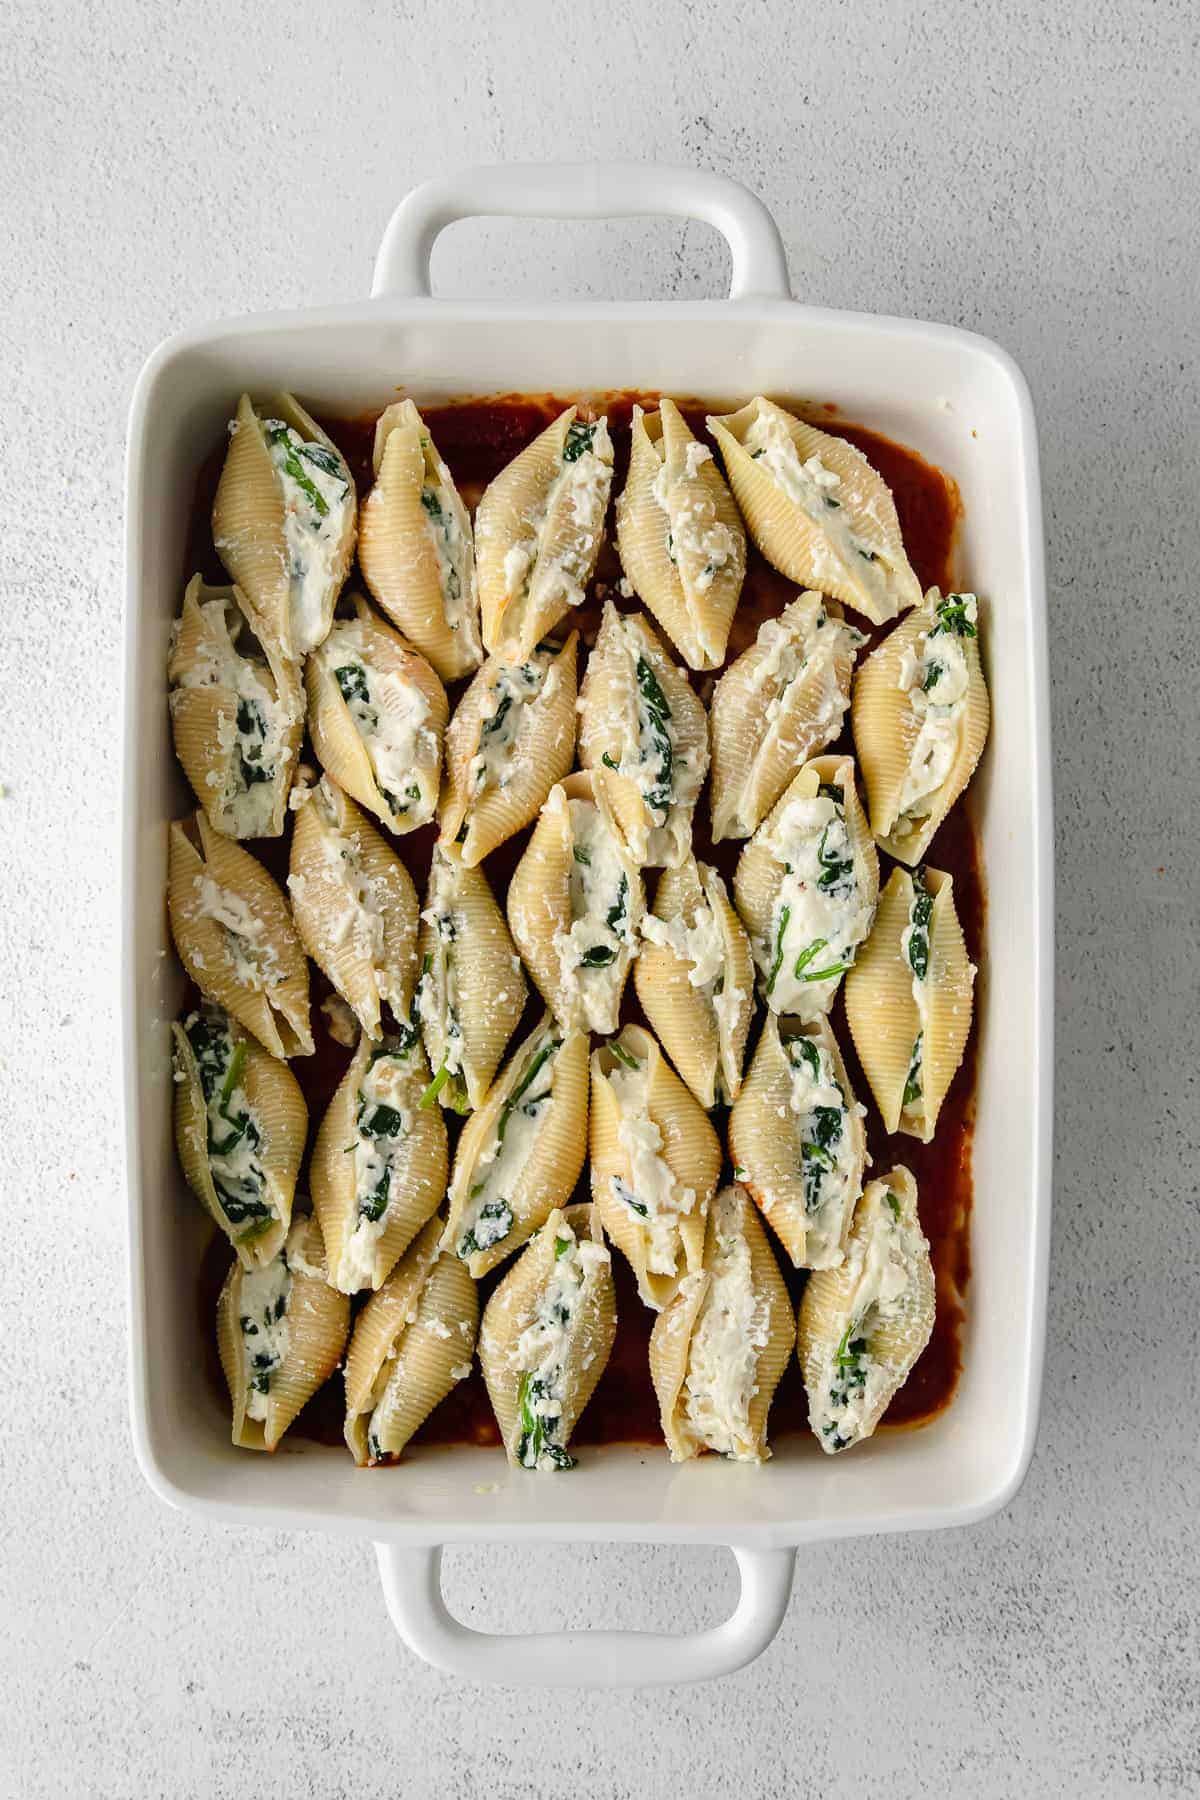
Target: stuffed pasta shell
[511,737]
[240,1126]
[806,886]
[235,936]
[655,1159]
[575,903]
[520,1155]
[354,905]
[718,1349]
[781,702]
[284,519]
[680,535]
[413,1342]
[472,992]
[921,717]
[798,1142]
[863,1325]
[378,1169]
[817,509]
[237,711]
[909,1003]
[281,1330]
[546,1336]
[538,531]
[415,547]
[377,714]
[695,980]
[640,720]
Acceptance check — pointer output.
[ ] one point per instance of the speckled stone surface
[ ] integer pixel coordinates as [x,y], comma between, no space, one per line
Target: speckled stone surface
[1025,170]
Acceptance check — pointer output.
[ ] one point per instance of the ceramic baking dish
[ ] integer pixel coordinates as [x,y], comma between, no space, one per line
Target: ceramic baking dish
[963,403]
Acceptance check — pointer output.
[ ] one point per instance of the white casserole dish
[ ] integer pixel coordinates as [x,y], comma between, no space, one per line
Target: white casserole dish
[963,404]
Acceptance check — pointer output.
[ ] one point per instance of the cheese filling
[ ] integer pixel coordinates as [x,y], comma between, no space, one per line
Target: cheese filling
[449,531]
[352,906]
[914,947]
[822,495]
[822,1134]
[692,525]
[251,734]
[596,950]
[652,1193]
[543,1350]
[249,952]
[263,1317]
[382,1122]
[583,480]
[854,1382]
[317,497]
[438,1005]
[391,716]
[668,782]
[790,653]
[730,1332]
[488,1215]
[233,1131]
[515,686]
[820,915]
[701,945]
[935,676]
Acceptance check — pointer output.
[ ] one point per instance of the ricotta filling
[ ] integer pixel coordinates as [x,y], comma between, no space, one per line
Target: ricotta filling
[789,654]
[263,1318]
[668,782]
[821,494]
[488,1215]
[692,525]
[514,687]
[233,1131]
[701,946]
[595,951]
[854,1382]
[382,1122]
[449,531]
[935,677]
[727,1339]
[543,1351]
[352,907]
[823,1138]
[247,947]
[582,486]
[437,990]
[317,498]
[652,1193]
[250,736]
[820,915]
[914,947]
[391,716]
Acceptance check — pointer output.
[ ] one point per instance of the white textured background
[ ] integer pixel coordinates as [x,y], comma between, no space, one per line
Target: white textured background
[1027,170]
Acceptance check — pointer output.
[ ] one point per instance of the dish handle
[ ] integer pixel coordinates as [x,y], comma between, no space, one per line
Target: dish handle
[412,1587]
[583,191]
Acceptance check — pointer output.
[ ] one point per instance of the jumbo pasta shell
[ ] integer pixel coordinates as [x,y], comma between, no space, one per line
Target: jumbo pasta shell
[695,980]
[511,737]
[640,721]
[680,536]
[237,717]
[888,1007]
[802,1168]
[546,1336]
[377,1179]
[806,886]
[655,1159]
[817,509]
[315,1320]
[538,532]
[413,1341]
[472,990]
[290,558]
[718,1350]
[415,547]
[575,895]
[511,1178]
[225,1181]
[235,936]
[863,1325]
[377,714]
[354,905]
[889,693]
[781,702]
